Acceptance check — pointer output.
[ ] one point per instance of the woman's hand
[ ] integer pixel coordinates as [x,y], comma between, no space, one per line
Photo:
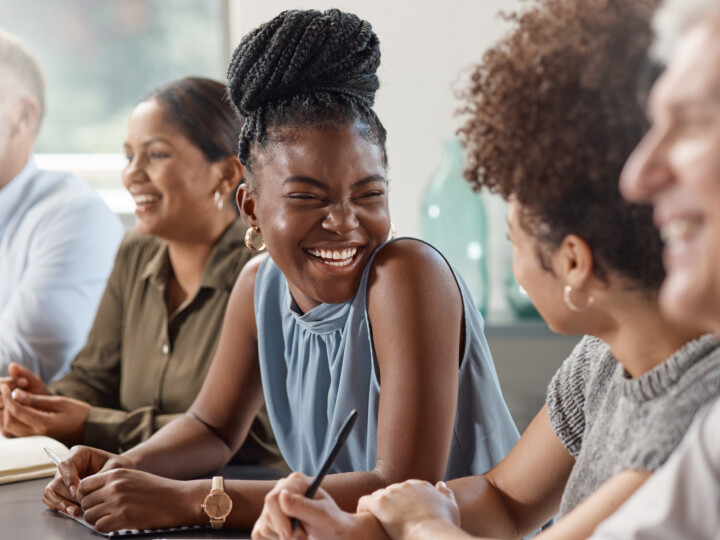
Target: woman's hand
[129,499]
[320,518]
[403,508]
[60,417]
[19,377]
[82,461]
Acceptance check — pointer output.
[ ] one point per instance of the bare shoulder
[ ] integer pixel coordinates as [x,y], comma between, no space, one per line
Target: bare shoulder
[246,279]
[243,292]
[411,263]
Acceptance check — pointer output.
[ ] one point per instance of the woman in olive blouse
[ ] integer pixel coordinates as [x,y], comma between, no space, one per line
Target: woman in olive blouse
[159,320]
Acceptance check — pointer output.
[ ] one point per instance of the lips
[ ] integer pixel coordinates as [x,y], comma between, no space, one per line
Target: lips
[334,257]
[144,202]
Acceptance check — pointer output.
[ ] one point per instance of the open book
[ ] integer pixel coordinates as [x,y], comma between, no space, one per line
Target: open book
[24,458]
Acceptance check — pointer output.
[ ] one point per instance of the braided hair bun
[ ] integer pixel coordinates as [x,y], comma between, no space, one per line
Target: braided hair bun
[304,68]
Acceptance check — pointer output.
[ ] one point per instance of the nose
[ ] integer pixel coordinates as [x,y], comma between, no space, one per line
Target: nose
[340,219]
[647,171]
[133,173]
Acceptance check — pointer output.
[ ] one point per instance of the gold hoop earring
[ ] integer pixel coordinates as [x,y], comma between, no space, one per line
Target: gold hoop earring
[573,307]
[249,240]
[217,199]
[393,233]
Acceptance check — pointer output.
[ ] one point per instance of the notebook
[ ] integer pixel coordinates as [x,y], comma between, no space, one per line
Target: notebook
[134,532]
[23,458]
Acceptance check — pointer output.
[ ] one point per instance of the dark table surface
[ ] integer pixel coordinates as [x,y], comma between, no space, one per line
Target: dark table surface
[24,516]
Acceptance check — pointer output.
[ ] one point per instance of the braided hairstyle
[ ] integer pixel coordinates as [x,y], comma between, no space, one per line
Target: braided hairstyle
[305,69]
[552,116]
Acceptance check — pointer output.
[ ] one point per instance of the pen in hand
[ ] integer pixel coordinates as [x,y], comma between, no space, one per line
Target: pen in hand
[56,460]
[52,455]
[339,441]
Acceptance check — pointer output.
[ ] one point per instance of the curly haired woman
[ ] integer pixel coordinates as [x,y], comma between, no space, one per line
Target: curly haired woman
[552,116]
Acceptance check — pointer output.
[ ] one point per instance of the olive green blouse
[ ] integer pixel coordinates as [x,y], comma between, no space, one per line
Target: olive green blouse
[141,368]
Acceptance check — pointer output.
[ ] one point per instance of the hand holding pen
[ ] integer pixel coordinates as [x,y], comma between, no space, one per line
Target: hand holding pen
[273,522]
[339,441]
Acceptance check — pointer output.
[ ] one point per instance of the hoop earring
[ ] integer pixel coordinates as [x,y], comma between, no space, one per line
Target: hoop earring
[249,240]
[573,307]
[393,233]
[217,199]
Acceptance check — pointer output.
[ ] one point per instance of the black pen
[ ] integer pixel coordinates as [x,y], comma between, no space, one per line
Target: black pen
[339,441]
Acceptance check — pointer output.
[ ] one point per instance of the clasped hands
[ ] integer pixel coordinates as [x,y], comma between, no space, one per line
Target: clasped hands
[397,512]
[28,409]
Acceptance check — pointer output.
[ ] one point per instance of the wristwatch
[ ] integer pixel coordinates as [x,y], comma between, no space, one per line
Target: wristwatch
[217,504]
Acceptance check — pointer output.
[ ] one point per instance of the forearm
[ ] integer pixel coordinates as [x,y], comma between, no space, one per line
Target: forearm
[437,530]
[247,498]
[347,488]
[183,449]
[584,518]
[484,510]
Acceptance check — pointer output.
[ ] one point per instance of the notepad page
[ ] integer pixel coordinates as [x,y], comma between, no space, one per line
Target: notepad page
[23,458]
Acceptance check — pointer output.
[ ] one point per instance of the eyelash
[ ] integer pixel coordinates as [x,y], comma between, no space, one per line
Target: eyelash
[151,155]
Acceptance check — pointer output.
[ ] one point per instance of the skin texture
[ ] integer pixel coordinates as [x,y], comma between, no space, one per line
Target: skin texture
[161,162]
[525,489]
[417,340]
[676,168]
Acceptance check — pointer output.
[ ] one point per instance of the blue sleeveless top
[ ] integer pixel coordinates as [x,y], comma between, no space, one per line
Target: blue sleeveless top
[318,366]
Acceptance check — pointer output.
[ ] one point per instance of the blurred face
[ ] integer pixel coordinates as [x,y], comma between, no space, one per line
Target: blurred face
[321,204]
[169,178]
[543,288]
[9,102]
[677,168]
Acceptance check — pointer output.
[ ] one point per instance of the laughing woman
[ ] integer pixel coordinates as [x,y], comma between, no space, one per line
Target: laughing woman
[333,319]
[159,320]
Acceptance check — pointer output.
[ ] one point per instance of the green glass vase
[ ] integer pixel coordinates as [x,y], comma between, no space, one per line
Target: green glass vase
[518,299]
[454,221]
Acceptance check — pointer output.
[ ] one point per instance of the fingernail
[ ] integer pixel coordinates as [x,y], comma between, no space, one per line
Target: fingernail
[442,484]
[17,393]
[72,490]
[70,510]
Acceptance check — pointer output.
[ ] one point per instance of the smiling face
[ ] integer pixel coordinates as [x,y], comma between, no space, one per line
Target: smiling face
[169,178]
[677,168]
[320,201]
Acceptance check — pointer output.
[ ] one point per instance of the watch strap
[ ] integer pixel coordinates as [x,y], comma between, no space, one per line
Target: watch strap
[217,484]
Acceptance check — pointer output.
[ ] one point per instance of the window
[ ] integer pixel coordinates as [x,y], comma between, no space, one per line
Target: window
[99,59]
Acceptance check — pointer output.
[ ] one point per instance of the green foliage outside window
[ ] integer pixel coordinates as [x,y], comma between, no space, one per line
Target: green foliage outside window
[101,56]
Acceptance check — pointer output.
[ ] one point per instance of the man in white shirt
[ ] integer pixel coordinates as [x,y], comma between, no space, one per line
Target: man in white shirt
[677,168]
[57,237]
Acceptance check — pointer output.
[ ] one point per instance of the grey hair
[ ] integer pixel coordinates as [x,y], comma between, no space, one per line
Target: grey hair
[673,18]
[16,58]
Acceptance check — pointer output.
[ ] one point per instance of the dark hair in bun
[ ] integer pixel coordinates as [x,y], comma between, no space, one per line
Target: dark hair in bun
[305,69]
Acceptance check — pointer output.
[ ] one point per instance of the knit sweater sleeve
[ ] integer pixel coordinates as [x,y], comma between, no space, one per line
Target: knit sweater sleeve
[567,392]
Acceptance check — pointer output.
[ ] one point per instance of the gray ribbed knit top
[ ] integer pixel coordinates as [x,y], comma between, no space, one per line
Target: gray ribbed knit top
[610,422]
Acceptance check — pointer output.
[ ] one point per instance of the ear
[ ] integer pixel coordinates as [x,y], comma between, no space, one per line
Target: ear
[230,171]
[573,262]
[246,204]
[25,117]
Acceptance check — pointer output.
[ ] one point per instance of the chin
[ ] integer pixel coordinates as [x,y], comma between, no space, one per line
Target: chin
[685,305]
